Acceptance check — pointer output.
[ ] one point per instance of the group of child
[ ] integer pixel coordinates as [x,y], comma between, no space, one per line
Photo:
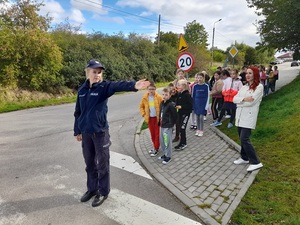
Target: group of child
[181,99]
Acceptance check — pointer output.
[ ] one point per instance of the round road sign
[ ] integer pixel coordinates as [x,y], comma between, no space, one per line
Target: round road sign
[185,61]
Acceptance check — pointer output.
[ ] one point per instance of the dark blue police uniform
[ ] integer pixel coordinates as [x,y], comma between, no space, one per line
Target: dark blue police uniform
[91,121]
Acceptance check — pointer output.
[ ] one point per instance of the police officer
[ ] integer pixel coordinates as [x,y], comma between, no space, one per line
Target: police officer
[91,127]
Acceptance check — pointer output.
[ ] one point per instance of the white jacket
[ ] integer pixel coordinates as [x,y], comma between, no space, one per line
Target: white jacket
[247,112]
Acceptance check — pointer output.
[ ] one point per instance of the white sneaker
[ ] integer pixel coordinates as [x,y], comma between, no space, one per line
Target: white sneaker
[204,118]
[254,167]
[227,116]
[197,132]
[200,133]
[240,161]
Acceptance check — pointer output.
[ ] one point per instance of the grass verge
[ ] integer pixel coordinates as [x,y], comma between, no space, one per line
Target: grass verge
[13,106]
[12,100]
[274,197]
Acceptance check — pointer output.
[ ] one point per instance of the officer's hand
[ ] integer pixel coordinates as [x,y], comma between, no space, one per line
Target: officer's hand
[78,137]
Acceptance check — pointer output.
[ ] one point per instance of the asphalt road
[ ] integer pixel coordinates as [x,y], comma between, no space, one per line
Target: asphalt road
[42,174]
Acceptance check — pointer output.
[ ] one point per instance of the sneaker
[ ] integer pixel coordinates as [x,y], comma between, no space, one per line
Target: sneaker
[217,123]
[183,146]
[240,161]
[166,160]
[227,116]
[151,151]
[200,133]
[162,157]
[192,127]
[213,122]
[195,128]
[230,125]
[154,153]
[177,147]
[254,167]
[197,132]
[204,118]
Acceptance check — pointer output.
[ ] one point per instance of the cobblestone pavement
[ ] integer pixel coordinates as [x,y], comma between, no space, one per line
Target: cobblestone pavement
[202,175]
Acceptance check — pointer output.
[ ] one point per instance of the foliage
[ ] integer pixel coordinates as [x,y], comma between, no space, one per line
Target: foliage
[296,55]
[202,58]
[265,54]
[23,15]
[251,57]
[134,57]
[30,57]
[280,27]
[169,38]
[75,51]
[195,34]
[274,197]
[219,55]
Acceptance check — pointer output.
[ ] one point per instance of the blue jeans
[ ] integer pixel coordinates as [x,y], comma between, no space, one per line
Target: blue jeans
[95,149]
[247,151]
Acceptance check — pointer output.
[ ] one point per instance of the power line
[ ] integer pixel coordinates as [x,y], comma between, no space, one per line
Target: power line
[128,13]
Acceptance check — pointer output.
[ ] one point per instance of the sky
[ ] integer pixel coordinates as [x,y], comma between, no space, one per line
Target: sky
[141,16]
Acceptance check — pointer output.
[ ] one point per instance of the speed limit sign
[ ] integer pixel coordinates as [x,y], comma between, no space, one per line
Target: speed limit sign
[185,61]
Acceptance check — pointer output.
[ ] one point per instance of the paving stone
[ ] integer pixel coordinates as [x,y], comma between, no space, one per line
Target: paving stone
[204,172]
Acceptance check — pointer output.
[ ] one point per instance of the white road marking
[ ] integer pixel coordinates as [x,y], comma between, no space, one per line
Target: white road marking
[128,164]
[127,209]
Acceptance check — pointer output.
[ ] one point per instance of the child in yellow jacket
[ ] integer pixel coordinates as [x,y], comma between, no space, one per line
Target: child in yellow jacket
[149,109]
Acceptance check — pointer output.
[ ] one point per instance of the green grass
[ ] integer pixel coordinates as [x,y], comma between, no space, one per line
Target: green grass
[13,106]
[274,197]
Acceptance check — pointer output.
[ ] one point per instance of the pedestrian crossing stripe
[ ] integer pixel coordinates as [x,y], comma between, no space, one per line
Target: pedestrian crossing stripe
[127,163]
[128,209]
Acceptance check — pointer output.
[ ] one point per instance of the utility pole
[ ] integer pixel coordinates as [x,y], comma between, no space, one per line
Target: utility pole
[158,36]
[213,39]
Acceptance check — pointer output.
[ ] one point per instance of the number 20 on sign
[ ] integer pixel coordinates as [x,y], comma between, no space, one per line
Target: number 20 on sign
[185,61]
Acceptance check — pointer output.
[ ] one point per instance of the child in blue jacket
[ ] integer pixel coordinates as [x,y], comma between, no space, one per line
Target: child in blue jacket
[200,96]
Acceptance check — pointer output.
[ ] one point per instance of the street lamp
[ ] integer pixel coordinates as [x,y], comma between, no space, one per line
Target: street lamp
[213,39]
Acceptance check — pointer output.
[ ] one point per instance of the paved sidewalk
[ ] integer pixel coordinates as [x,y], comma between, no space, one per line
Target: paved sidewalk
[202,175]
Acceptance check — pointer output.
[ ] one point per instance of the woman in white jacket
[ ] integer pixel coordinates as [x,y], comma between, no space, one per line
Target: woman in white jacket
[248,100]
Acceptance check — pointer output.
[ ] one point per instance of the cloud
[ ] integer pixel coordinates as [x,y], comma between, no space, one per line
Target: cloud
[77,16]
[146,13]
[236,25]
[55,10]
[115,19]
[94,6]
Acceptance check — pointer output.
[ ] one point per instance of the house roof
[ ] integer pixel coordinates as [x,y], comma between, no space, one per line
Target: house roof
[286,55]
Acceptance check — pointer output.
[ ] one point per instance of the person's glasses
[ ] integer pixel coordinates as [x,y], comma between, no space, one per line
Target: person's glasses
[151,89]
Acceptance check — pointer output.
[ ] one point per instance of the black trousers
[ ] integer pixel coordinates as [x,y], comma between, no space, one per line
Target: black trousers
[214,107]
[247,151]
[184,119]
[95,149]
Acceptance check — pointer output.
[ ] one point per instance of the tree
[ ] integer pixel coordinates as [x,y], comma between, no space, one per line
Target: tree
[280,27]
[251,56]
[32,60]
[219,55]
[170,38]
[23,15]
[195,34]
